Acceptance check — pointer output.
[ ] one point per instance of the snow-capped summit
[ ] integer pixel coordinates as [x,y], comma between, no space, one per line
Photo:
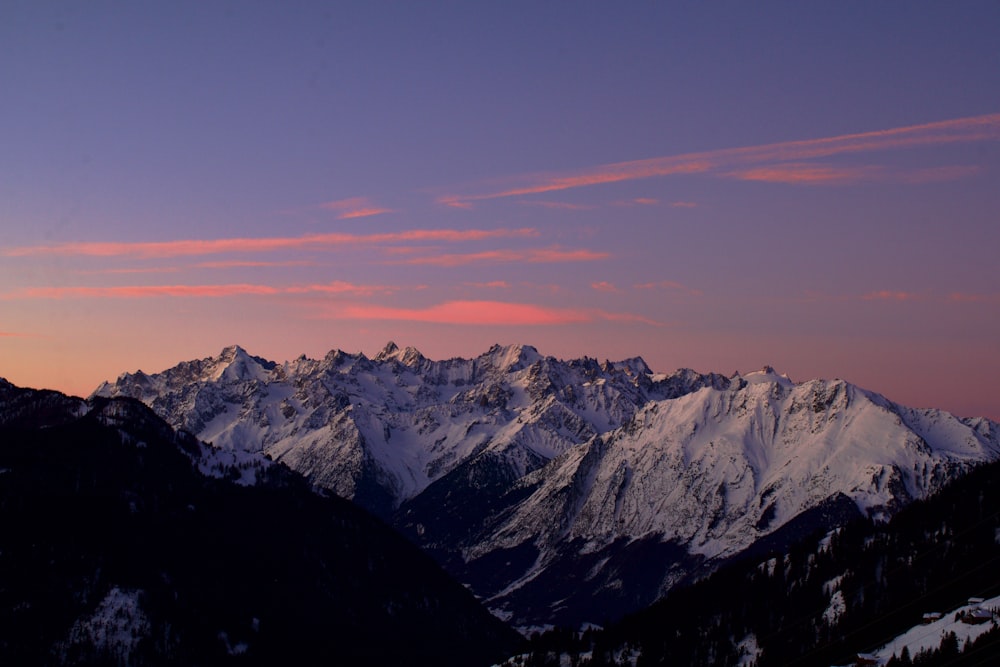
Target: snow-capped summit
[767,374]
[381,430]
[410,356]
[234,364]
[512,357]
[570,466]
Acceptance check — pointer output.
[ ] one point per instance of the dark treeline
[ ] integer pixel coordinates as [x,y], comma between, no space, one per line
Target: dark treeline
[223,574]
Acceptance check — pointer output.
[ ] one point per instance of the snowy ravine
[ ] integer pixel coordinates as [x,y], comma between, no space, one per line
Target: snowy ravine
[561,490]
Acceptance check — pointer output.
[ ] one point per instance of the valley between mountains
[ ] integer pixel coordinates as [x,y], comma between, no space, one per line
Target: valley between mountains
[564,492]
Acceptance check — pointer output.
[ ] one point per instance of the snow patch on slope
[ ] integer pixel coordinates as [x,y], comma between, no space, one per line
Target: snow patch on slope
[114,629]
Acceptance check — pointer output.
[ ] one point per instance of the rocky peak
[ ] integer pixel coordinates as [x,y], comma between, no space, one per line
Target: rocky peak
[510,358]
[388,352]
[410,356]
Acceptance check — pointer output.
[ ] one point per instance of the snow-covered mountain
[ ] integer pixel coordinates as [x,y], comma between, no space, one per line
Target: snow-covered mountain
[380,430]
[563,489]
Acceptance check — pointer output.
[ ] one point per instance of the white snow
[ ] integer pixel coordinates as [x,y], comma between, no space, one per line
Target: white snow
[116,626]
[833,585]
[835,609]
[240,466]
[749,651]
[921,637]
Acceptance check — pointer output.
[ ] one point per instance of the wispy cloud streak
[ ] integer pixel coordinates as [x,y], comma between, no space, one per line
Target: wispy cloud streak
[240,264]
[493,313]
[807,173]
[194,247]
[965,297]
[528,256]
[197,291]
[810,173]
[671,285]
[557,205]
[638,201]
[959,130]
[890,295]
[355,207]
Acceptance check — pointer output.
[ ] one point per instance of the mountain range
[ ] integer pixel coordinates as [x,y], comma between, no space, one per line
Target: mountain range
[568,491]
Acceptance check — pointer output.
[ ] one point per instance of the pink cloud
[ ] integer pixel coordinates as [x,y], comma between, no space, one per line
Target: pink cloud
[806,173]
[668,285]
[684,204]
[341,287]
[142,291]
[530,256]
[889,295]
[355,207]
[363,213]
[493,313]
[242,245]
[470,312]
[604,286]
[129,270]
[454,201]
[197,291]
[959,130]
[493,284]
[965,297]
[638,201]
[611,173]
[560,255]
[239,264]
[233,264]
[558,205]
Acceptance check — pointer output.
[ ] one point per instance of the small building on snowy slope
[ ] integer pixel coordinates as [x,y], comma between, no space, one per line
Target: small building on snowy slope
[866,660]
[977,616]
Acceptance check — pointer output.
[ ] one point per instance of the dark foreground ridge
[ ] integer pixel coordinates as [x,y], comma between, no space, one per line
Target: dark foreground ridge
[115,550]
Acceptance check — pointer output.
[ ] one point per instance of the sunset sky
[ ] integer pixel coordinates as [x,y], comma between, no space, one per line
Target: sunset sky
[719,185]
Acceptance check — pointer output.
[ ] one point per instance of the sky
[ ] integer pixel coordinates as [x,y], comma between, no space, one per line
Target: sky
[717,186]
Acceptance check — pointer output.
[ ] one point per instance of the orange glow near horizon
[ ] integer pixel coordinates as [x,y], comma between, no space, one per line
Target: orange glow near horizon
[621,183]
